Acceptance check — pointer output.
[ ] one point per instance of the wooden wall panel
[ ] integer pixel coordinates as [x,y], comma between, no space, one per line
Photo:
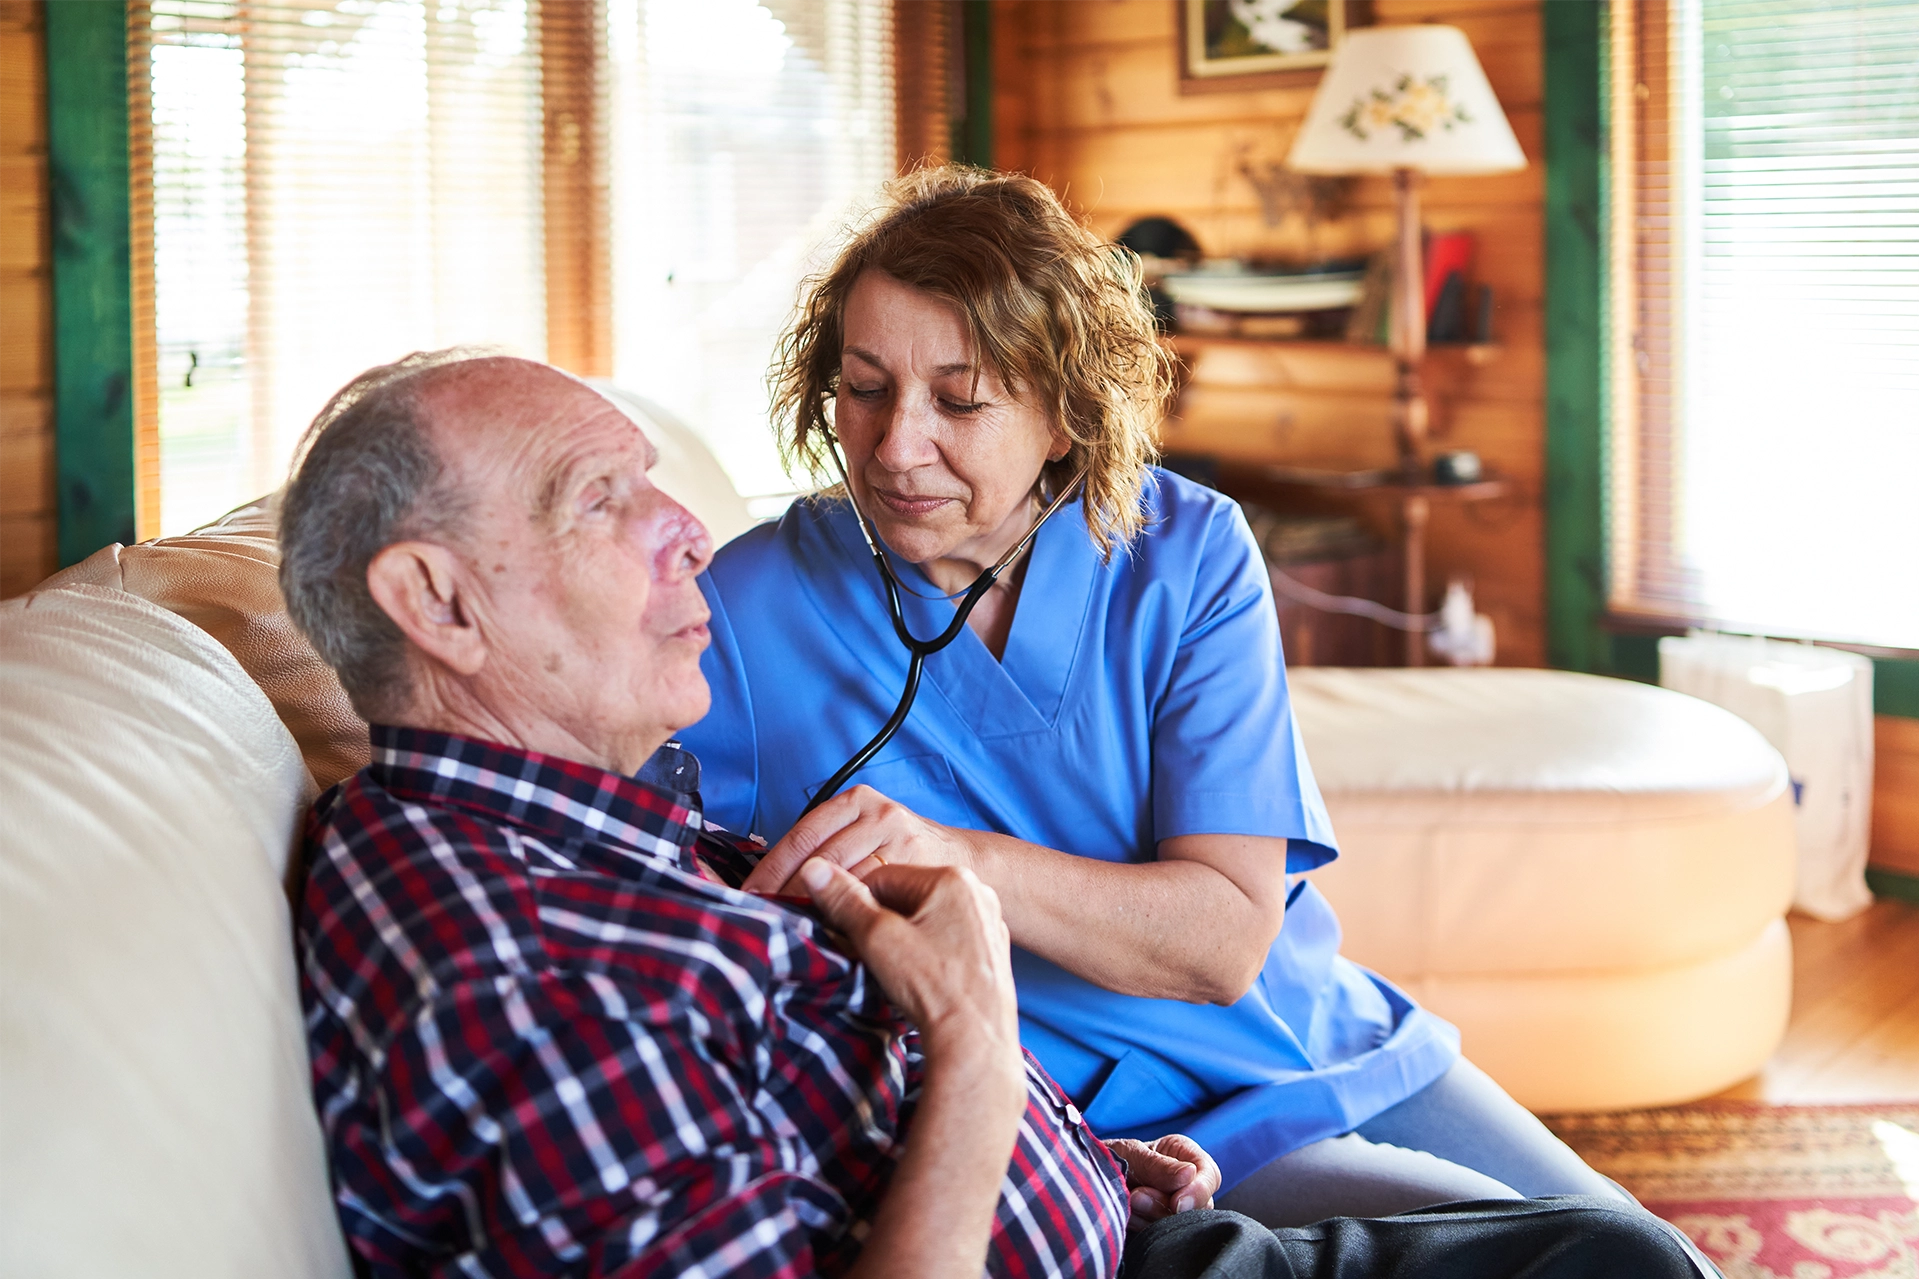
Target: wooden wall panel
[1087,98]
[23,209]
[1896,794]
[26,365]
[1134,85]
[26,344]
[23,99]
[28,453]
[1098,22]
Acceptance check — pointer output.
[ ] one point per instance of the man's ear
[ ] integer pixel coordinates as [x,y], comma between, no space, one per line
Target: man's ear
[419,585]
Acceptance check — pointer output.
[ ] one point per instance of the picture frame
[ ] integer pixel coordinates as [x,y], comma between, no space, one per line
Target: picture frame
[1221,45]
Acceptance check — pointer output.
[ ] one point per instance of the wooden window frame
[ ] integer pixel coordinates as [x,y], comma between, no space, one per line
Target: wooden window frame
[943,82]
[576,193]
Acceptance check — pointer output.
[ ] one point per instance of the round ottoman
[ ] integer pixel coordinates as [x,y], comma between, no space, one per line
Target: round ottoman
[1587,876]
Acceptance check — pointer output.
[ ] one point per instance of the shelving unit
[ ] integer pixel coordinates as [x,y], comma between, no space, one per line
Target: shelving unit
[1305,402]
[1317,415]
[1472,353]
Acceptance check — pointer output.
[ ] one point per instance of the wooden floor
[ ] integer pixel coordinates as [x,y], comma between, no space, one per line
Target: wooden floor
[1853,1035]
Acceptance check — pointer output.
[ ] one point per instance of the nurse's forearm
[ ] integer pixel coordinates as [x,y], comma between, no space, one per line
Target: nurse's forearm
[1195,925]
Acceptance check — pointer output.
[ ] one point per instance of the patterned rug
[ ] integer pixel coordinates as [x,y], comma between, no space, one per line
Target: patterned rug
[1770,1191]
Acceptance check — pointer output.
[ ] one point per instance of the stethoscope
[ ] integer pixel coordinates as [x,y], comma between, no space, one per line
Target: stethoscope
[918,650]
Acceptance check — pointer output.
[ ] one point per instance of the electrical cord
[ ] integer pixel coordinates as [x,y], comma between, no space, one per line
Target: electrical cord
[1355,605]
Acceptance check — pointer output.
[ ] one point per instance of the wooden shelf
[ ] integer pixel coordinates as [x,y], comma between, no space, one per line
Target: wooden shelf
[1189,344]
[1389,483]
[1260,403]
[1320,402]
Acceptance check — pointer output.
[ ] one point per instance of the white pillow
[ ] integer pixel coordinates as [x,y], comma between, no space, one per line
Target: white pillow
[155,1107]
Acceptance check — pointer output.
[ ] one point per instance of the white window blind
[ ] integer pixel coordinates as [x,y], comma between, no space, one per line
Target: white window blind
[741,136]
[1767,346]
[335,183]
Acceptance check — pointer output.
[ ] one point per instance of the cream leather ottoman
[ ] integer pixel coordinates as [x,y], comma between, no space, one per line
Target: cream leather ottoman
[1587,876]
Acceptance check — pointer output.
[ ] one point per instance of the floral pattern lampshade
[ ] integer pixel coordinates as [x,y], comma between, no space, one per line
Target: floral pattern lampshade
[1406,97]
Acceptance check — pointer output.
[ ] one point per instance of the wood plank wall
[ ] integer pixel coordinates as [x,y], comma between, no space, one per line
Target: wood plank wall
[1896,795]
[1087,98]
[26,305]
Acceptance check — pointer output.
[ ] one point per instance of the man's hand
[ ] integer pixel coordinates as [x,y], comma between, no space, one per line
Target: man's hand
[934,939]
[1168,1175]
[861,830]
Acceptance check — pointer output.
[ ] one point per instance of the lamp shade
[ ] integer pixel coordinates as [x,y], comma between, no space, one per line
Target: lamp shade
[1405,97]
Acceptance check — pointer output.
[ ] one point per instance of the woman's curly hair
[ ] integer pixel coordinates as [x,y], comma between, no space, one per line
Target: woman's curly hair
[1058,314]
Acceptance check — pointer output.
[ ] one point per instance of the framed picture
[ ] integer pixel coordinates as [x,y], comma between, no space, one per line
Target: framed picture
[1254,44]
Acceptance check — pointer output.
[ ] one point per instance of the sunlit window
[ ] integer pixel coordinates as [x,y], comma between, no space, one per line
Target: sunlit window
[339,182]
[335,185]
[742,137]
[1768,397]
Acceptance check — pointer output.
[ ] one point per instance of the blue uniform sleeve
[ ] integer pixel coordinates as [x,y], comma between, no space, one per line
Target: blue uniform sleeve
[1227,756]
[723,740]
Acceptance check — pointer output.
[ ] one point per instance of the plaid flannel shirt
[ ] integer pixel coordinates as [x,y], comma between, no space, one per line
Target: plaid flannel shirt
[549,1036]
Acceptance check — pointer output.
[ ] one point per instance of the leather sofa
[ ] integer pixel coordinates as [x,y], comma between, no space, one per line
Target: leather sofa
[1589,877]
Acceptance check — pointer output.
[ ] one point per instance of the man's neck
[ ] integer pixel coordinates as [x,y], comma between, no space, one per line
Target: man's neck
[447,707]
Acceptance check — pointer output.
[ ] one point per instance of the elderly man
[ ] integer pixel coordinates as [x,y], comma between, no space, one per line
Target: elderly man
[550,1034]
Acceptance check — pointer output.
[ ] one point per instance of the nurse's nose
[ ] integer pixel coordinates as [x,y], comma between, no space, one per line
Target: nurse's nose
[907,441]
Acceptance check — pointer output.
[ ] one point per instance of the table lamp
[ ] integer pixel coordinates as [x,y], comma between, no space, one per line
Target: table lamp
[1408,101]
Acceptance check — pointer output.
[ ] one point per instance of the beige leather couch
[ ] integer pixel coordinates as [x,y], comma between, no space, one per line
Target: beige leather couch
[1589,877]
[165,729]
[1586,875]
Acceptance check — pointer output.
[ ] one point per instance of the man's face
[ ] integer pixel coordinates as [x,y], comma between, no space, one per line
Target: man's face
[582,573]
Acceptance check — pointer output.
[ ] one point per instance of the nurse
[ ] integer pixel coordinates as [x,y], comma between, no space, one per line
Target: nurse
[1109,745]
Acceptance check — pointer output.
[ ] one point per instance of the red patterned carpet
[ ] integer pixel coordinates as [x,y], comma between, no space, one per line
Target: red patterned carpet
[1770,1191]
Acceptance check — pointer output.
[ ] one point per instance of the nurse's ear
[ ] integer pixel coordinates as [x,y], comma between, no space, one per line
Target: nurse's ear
[1058,445]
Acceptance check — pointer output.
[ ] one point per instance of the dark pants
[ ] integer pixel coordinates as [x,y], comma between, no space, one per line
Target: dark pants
[1559,1236]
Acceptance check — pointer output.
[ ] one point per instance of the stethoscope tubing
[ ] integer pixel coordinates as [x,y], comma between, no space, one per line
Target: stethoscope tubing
[918,650]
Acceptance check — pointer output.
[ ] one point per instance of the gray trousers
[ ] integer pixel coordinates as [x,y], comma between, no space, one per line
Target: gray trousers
[1460,1138]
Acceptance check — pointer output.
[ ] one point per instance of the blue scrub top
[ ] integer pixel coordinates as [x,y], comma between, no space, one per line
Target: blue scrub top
[1138,700]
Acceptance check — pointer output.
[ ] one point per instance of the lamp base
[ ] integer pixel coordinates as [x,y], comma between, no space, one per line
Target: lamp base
[1410,419]
[1409,332]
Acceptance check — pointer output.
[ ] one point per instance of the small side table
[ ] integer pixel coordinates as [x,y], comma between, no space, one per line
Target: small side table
[1415,496]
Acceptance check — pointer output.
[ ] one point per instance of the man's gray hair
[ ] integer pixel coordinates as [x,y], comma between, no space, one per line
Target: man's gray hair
[366,476]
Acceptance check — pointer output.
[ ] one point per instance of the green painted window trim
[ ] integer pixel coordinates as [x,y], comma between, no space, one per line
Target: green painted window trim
[972,141]
[1574,142]
[1892,884]
[1575,137]
[92,276]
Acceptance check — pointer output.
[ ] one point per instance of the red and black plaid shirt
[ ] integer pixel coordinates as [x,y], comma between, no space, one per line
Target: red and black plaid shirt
[548,1039]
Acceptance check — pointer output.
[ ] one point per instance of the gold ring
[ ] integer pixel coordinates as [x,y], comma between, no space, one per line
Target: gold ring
[877,858]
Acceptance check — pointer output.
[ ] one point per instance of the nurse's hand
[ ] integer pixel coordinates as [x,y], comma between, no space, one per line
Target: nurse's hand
[1168,1175]
[861,830]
